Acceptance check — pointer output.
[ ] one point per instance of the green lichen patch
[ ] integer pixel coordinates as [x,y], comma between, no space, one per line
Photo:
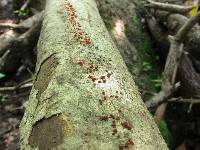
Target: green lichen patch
[45,74]
[49,133]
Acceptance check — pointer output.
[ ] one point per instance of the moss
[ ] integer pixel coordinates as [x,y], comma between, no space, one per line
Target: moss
[165,132]
[106,19]
[146,69]
[107,23]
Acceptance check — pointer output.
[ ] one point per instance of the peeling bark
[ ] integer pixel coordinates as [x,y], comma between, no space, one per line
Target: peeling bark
[82,88]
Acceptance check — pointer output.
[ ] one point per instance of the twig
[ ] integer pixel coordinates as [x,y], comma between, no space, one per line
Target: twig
[29,23]
[9,25]
[3,58]
[25,5]
[169,7]
[182,32]
[184,100]
[22,85]
[173,60]
[146,92]
[162,96]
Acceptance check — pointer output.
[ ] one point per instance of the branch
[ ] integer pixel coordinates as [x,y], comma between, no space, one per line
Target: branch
[26,24]
[25,5]
[22,85]
[162,96]
[183,31]
[170,7]
[9,25]
[184,100]
[172,62]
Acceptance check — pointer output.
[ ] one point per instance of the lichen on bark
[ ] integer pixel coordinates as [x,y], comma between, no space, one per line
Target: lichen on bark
[90,86]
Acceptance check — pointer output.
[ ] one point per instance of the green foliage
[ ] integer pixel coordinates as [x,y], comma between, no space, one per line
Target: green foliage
[24,13]
[17,6]
[145,70]
[147,66]
[165,132]
[2,75]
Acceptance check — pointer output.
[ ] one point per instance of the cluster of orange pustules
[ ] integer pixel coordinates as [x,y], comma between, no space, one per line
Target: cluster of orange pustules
[78,34]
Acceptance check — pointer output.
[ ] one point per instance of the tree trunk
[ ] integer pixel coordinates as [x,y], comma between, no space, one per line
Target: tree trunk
[83,96]
[128,30]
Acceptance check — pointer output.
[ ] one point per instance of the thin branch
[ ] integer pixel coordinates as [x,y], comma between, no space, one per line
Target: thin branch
[146,92]
[161,96]
[184,100]
[28,24]
[169,7]
[25,5]
[183,31]
[172,62]
[9,25]
[22,85]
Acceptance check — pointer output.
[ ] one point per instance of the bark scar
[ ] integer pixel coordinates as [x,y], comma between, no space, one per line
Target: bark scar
[50,132]
[45,74]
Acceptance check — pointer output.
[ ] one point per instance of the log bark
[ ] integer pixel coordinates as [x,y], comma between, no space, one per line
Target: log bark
[83,96]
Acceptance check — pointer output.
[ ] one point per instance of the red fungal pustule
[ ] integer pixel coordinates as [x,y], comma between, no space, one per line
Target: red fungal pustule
[80,36]
[114,131]
[112,116]
[109,74]
[126,125]
[113,124]
[92,68]
[92,78]
[129,143]
[104,118]
[80,63]
[120,112]
[103,77]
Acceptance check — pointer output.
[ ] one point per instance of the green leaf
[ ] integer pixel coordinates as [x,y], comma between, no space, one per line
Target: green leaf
[2,75]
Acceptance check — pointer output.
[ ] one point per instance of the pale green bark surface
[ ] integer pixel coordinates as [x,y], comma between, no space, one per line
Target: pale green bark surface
[83,96]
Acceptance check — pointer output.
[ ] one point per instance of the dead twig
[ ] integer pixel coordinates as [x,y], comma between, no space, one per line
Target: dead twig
[171,67]
[25,5]
[169,7]
[9,25]
[22,85]
[192,101]
[173,59]
[184,100]
[26,24]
